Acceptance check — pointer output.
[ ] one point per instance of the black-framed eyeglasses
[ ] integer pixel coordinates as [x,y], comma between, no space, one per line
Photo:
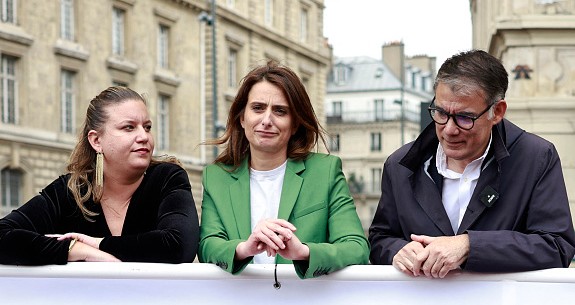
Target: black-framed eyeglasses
[463,121]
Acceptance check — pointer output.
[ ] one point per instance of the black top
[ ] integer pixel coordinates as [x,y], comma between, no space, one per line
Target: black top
[161,223]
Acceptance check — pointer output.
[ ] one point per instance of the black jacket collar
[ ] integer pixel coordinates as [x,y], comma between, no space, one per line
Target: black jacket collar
[424,147]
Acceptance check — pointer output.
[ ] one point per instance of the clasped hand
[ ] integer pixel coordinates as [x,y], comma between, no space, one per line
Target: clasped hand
[274,236]
[86,248]
[432,256]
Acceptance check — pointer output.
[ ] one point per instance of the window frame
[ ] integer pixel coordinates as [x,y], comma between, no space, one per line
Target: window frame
[304,24]
[269,13]
[163,44]
[379,109]
[8,11]
[8,89]
[9,202]
[335,143]
[375,142]
[232,68]
[376,179]
[67,20]
[337,109]
[163,132]
[67,101]
[118,31]
[340,74]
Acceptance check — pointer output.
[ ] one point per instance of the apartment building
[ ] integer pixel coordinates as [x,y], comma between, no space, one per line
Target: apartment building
[373,106]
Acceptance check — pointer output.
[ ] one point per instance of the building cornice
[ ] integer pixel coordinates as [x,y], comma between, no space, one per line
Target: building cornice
[547,103]
[36,137]
[248,25]
[532,30]
[245,23]
[15,34]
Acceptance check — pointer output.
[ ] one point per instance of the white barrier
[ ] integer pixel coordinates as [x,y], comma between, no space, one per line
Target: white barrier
[134,283]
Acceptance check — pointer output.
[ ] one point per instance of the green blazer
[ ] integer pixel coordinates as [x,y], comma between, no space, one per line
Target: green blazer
[315,199]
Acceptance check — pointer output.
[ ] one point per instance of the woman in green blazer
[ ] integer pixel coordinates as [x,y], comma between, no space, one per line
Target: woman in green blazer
[267,197]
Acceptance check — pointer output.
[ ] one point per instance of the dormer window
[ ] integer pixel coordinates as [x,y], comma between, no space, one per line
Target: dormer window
[340,74]
[415,78]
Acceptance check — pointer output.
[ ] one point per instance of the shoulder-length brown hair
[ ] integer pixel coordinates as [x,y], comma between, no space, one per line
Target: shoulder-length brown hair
[82,162]
[308,128]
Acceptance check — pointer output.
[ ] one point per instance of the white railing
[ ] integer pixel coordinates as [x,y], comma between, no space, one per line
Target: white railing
[134,283]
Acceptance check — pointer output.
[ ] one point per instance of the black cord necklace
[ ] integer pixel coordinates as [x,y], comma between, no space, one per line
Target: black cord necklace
[277,284]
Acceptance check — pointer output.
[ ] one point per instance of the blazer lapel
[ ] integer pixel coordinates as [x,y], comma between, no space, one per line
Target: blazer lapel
[429,198]
[291,188]
[240,199]
[488,178]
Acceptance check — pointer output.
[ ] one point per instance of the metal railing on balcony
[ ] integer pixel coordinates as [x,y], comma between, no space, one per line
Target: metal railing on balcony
[372,116]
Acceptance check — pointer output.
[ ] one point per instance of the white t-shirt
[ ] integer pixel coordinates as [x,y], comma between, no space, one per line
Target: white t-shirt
[265,194]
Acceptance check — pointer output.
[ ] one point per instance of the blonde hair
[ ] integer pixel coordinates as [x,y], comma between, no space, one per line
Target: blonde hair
[82,162]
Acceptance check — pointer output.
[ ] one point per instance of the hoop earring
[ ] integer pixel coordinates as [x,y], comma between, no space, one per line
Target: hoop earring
[99,169]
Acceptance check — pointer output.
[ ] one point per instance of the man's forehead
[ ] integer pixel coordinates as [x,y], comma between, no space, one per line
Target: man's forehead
[461,88]
[461,95]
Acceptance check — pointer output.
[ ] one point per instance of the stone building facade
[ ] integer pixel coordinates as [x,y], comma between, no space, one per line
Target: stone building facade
[57,55]
[535,40]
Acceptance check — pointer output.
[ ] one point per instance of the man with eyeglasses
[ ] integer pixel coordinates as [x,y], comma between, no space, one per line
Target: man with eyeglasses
[473,191]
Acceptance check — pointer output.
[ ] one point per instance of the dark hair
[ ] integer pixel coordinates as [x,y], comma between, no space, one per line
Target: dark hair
[82,162]
[308,128]
[474,69]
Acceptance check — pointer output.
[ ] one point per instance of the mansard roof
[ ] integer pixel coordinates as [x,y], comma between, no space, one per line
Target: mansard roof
[363,74]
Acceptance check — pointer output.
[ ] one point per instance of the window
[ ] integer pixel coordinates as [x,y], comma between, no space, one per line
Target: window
[163,122]
[163,46]
[336,109]
[119,83]
[305,83]
[8,86]
[10,181]
[340,74]
[232,68]
[231,3]
[378,109]
[67,100]
[375,141]
[303,25]
[269,12]
[67,19]
[376,180]
[334,143]
[118,20]
[8,11]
